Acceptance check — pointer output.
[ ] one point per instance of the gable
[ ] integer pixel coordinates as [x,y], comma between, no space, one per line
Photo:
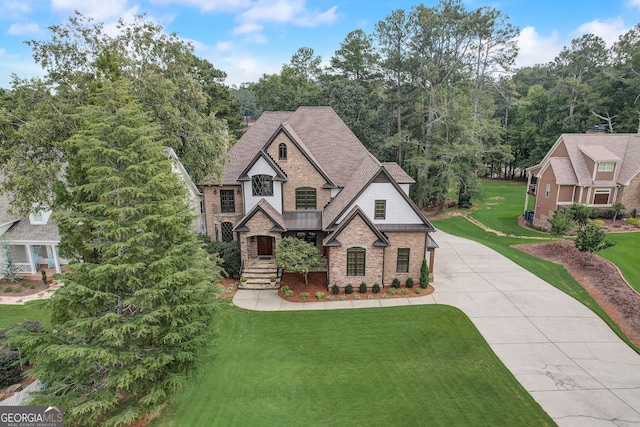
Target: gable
[356,230]
[398,210]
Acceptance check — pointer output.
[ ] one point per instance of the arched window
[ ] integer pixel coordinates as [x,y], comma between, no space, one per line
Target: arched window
[305,198]
[356,261]
[282,151]
[262,185]
[227,232]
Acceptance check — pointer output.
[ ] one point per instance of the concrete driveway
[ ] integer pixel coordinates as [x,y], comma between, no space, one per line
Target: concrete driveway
[563,354]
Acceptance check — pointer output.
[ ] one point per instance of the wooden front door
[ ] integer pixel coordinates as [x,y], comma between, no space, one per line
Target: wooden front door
[265,246]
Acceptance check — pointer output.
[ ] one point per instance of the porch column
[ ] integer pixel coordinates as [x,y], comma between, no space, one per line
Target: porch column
[432,260]
[56,260]
[32,265]
[526,194]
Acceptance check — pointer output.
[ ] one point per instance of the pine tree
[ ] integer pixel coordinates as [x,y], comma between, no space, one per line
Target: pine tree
[137,302]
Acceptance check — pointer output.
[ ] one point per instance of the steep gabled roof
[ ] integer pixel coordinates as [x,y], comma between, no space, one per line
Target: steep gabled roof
[563,171]
[280,174]
[332,239]
[398,174]
[269,211]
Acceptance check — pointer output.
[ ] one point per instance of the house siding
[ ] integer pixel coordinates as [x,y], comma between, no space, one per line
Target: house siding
[545,205]
[416,243]
[398,211]
[213,211]
[300,173]
[356,234]
[565,194]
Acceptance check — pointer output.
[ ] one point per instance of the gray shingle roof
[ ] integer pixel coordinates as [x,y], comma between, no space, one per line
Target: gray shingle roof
[400,176]
[563,171]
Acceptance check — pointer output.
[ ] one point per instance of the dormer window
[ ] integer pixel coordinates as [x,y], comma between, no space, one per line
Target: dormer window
[605,167]
[39,218]
[262,185]
[282,151]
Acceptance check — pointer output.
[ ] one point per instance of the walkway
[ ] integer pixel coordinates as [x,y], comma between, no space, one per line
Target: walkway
[564,355]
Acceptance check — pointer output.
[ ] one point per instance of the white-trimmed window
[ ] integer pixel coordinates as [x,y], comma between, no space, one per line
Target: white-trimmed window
[601,197]
[40,217]
[605,167]
[547,191]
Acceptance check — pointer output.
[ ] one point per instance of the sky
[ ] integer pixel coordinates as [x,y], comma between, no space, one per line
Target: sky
[249,38]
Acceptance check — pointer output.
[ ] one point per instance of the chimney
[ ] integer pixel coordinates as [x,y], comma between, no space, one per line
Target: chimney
[596,129]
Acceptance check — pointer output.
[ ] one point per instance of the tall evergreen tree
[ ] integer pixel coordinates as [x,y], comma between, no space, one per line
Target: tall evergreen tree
[129,322]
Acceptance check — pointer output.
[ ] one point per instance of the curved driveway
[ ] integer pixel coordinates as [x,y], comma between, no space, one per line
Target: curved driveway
[563,354]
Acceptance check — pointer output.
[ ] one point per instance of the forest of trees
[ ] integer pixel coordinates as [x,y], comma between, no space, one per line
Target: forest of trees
[436,90]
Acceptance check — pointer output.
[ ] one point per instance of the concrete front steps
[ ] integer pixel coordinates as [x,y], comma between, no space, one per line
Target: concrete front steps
[258,274]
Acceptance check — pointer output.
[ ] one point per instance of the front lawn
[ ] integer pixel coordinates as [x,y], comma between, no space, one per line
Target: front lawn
[625,255]
[413,365]
[12,314]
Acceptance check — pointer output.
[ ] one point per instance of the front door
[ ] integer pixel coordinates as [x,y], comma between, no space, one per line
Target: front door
[265,246]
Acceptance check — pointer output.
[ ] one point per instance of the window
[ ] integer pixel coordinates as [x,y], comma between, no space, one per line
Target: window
[282,151]
[356,261]
[262,185]
[547,191]
[227,232]
[605,167]
[402,263]
[227,201]
[305,198]
[381,209]
[601,197]
[308,236]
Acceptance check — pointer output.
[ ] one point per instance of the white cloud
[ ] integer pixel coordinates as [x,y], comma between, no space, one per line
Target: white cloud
[536,49]
[247,28]
[19,29]
[224,46]
[241,69]
[97,9]
[287,11]
[208,5]
[633,3]
[11,8]
[609,30]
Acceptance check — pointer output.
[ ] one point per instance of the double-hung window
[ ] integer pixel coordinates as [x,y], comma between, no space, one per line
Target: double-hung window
[402,261]
[356,261]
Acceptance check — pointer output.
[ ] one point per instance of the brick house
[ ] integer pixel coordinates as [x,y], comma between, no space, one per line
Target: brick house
[594,169]
[305,174]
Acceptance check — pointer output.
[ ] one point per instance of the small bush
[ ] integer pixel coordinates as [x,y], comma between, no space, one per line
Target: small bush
[370,296]
[395,283]
[348,289]
[376,288]
[357,296]
[418,290]
[304,296]
[284,289]
[44,276]
[384,296]
[393,291]
[424,274]
[32,286]
[633,221]
[343,297]
[289,293]
[10,372]
[319,295]
[330,298]
[335,289]
[363,288]
[8,289]
[409,282]
[598,222]
[404,291]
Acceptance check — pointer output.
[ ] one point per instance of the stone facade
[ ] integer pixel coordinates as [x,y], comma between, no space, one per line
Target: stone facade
[416,243]
[213,212]
[356,235]
[258,225]
[630,195]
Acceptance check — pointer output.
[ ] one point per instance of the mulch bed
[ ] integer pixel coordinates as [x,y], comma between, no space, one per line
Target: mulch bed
[23,287]
[600,278]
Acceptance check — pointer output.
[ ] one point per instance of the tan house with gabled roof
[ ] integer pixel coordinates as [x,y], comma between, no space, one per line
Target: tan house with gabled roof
[593,169]
[305,174]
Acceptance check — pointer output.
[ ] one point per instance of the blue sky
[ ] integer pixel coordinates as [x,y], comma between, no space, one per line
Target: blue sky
[247,38]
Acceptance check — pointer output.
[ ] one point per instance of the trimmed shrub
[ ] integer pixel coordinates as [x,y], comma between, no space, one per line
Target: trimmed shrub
[348,289]
[343,297]
[363,288]
[633,221]
[370,296]
[376,288]
[357,296]
[395,283]
[319,295]
[335,289]
[409,282]
[304,296]
[284,289]
[385,296]
[418,290]
[10,372]
[424,274]
[289,293]
[404,291]
[330,298]
[393,291]
[229,252]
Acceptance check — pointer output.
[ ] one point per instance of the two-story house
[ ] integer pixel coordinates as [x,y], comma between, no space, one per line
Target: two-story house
[593,169]
[305,174]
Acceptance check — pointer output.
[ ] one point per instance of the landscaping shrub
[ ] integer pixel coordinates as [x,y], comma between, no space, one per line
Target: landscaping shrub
[289,293]
[633,221]
[10,372]
[8,289]
[229,252]
[357,296]
[395,283]
[385,296]
[561,222]
[304,296]
[404,291]
[424,274]
[330,298]
[363,288]
[409,282]
[343,297]
[348,289]
[370,296]
[335,289]
[284,289]
[418,290]
[393,291]
[376,288]
[319,295]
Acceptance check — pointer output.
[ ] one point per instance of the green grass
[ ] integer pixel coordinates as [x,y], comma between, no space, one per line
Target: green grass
[552,273]
[625,255]
[414,365]
[12,314]
[501,204]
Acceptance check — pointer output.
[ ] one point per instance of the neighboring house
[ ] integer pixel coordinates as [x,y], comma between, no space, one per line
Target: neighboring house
[594,169]
[305,174]
[33,241]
